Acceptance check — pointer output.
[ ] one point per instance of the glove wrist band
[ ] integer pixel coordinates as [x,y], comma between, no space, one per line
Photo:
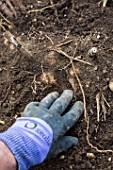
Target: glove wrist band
[29,139]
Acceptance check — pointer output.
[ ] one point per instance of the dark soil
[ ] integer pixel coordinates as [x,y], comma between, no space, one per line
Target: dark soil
[76,26]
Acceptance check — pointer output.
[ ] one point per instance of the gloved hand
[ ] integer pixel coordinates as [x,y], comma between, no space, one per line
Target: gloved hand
[50,110]
[39,134]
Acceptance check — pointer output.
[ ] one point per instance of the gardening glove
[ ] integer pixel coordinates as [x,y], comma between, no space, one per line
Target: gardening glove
[50,110]
[39,134]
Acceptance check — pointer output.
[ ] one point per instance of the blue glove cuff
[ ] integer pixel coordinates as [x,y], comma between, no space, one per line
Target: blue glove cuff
[29,139]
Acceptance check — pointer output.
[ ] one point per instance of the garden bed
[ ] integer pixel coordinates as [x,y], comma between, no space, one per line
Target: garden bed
[54,35]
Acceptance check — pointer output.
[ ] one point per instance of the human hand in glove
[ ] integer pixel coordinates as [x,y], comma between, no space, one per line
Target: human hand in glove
[40,133]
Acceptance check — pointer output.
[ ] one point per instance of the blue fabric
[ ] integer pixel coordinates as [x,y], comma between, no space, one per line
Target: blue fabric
[29,139]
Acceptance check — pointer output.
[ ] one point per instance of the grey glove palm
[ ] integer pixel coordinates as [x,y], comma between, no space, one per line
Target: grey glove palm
[50,110]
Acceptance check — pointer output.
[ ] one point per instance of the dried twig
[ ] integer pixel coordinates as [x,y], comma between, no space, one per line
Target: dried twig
[8,8]
[72,79]
[34,85]
[70,57]
[49,39]
[101,100]
[1,25]
[105,100]
[84,100]
[8,90]
[64,43]
[5,19]
[42,9]
[98,106]
[65,67]
[103,108]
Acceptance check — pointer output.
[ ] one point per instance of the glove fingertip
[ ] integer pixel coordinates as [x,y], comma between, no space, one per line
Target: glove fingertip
[80,104]
[75,141]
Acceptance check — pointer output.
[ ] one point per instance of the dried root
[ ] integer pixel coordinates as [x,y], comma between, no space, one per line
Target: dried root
[101,104]
[86,116]
[8,7]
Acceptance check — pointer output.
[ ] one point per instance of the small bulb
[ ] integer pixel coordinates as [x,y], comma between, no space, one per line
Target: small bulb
[90,155]
[98,36]
[93,51]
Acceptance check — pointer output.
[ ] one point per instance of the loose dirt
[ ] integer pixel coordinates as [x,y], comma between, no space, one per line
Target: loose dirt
[51,35]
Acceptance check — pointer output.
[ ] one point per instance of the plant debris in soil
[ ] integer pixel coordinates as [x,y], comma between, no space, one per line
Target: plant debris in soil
[64,45]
